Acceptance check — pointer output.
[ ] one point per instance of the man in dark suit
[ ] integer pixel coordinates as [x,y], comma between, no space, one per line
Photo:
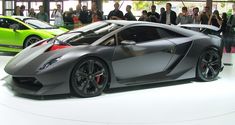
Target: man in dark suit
[116,14]
[169,16]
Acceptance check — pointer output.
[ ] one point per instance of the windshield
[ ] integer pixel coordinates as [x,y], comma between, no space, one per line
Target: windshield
[87,34]
[37,24]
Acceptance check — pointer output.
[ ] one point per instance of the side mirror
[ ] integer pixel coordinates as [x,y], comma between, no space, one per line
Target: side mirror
[14,27]
[128,42]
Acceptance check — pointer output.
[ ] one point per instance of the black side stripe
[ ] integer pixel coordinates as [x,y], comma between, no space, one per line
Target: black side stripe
[11,46]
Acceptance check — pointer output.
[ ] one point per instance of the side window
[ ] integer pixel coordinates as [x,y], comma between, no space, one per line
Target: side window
[9,24]
[4,23]
[139,34]
[109,42]
[164,33]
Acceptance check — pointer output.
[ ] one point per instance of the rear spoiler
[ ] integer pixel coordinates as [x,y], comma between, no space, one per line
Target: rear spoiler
[200,26]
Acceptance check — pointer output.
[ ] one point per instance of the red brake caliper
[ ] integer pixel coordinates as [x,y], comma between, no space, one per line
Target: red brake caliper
[98,78]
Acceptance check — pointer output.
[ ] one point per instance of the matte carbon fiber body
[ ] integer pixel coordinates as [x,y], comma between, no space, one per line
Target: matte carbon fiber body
[149,62]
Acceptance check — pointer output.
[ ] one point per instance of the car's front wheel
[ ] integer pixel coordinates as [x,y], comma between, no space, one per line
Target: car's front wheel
[89,77]
[31,40]
[209,65]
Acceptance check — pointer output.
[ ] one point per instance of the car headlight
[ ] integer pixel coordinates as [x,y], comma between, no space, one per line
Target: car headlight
[51,62]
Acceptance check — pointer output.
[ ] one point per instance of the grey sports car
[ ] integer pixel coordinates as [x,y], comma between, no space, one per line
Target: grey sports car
[111,54]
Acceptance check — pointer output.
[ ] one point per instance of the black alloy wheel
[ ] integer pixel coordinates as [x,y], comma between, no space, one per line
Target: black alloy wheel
[31,40]
[209,65]
[89,77]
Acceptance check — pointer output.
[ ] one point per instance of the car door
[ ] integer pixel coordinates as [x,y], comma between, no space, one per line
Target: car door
[147,54]
[7,33]
[12,33]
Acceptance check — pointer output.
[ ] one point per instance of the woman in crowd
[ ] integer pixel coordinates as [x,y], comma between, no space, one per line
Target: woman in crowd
[96,14]
[215,19]
[17,11]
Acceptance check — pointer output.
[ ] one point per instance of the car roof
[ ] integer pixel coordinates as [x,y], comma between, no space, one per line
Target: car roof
[175,28]
[125,22]
[21,17]
[17,17]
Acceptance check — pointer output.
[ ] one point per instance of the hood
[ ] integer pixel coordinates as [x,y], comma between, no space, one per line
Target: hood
[54,32]
[28,61]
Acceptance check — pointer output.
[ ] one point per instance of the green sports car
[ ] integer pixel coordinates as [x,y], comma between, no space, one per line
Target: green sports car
[18,32]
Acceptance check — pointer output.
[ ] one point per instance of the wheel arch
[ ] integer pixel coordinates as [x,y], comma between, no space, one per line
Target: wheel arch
[217,49]
[96,57]
[31,35]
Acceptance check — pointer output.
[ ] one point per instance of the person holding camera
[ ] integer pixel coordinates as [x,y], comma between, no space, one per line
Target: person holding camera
[184,17]
[196,16]
[32,13]
[215,19]
[58,15]
[153,15]
[144,16]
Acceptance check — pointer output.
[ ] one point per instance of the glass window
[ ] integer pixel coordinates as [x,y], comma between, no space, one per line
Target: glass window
[0,7]
[164,33]
[9,24]
[3,23]
[35,5]
[109,42]
[139,34]
[9,12]
[70,4]
[37,24]
[26,7]
[139,5]
[9,5]
[86,3]
[87,34]
[98,27]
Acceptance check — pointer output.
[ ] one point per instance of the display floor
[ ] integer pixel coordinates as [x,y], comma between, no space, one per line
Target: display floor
[177,103]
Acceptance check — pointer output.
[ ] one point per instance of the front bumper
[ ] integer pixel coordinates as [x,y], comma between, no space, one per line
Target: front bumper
[31,86]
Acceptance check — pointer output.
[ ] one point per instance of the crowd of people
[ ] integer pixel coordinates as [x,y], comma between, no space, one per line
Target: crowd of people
[42,15]
[167,16]
[82,16]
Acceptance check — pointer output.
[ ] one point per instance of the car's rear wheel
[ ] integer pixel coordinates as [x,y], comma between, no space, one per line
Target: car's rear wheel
[89,77]
[209,65]
[31,40]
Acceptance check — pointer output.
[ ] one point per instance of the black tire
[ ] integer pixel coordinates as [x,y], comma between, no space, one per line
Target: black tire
[31,40]
[89,77]
[209,65]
